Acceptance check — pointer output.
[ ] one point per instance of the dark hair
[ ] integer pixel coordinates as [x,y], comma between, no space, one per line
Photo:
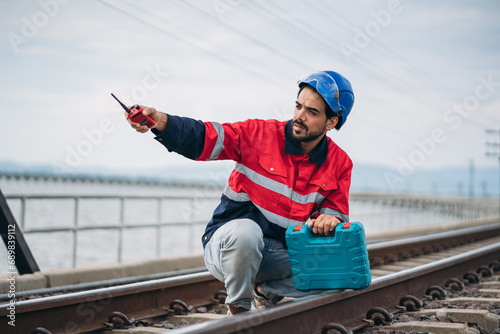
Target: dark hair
[328,111]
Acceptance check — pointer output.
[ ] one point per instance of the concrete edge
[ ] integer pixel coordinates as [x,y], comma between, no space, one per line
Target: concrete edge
[84,274]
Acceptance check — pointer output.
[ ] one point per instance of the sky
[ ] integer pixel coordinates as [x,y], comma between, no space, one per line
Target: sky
[425,75]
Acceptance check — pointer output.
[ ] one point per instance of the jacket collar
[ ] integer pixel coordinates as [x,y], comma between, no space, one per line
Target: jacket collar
[292,146]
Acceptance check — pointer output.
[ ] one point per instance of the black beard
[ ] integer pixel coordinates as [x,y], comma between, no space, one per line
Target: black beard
[306,138]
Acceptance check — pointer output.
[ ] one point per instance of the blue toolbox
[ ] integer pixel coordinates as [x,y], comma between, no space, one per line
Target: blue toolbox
[322,262]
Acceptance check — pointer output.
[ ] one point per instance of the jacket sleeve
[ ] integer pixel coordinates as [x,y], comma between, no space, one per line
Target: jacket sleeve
[199,140]
[337,202]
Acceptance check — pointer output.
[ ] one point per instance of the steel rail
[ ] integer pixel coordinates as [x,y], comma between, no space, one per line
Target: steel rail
[448,238]
[89,310]
[348,308]
[100,284]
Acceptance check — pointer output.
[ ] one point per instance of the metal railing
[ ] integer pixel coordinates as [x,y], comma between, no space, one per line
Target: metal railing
[387,211]
[157,213]
[186,216]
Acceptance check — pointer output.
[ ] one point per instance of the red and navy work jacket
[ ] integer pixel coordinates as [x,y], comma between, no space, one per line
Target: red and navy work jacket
[273,183]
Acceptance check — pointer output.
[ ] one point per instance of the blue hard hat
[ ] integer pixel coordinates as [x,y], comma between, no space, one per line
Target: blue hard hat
[335,89]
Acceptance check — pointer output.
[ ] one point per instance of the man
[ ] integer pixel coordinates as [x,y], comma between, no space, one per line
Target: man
[286,173]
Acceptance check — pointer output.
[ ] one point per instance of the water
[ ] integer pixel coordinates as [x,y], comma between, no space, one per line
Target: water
[185,221]
[185,216]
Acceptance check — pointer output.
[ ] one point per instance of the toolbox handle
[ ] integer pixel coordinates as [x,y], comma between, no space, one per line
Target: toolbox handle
[309,231]
[341,225]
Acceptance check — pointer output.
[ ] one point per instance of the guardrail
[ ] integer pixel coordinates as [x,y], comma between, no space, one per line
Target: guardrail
[116,213]
[388,210]
[165,216]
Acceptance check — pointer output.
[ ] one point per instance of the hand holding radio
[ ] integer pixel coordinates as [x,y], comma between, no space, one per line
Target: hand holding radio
[159,118]
[143,118]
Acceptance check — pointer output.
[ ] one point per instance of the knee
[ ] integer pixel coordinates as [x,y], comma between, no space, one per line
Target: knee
[244,234]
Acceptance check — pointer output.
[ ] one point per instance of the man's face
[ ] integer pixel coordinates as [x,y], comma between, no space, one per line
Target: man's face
[309,117]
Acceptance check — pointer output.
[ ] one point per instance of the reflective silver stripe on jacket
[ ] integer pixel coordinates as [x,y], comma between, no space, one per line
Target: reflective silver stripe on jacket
[277,219]
[335,213]
[278,187]
[219,144]
[233,195]
[272,217]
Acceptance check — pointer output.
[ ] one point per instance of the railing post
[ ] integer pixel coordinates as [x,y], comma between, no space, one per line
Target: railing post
[23,212]
[191,224]
[410,210]
[158,225]
[120,229]
[392,212]
[75,229]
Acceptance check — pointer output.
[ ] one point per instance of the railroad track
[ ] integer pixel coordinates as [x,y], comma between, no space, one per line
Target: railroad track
[403,271]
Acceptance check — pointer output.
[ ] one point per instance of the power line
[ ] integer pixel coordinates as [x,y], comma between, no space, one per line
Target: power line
[327,40]
[193,8]
[383,49]
[317,35]
[160,24]
[261,70]
[280,20]
[391,53]
[259,42]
